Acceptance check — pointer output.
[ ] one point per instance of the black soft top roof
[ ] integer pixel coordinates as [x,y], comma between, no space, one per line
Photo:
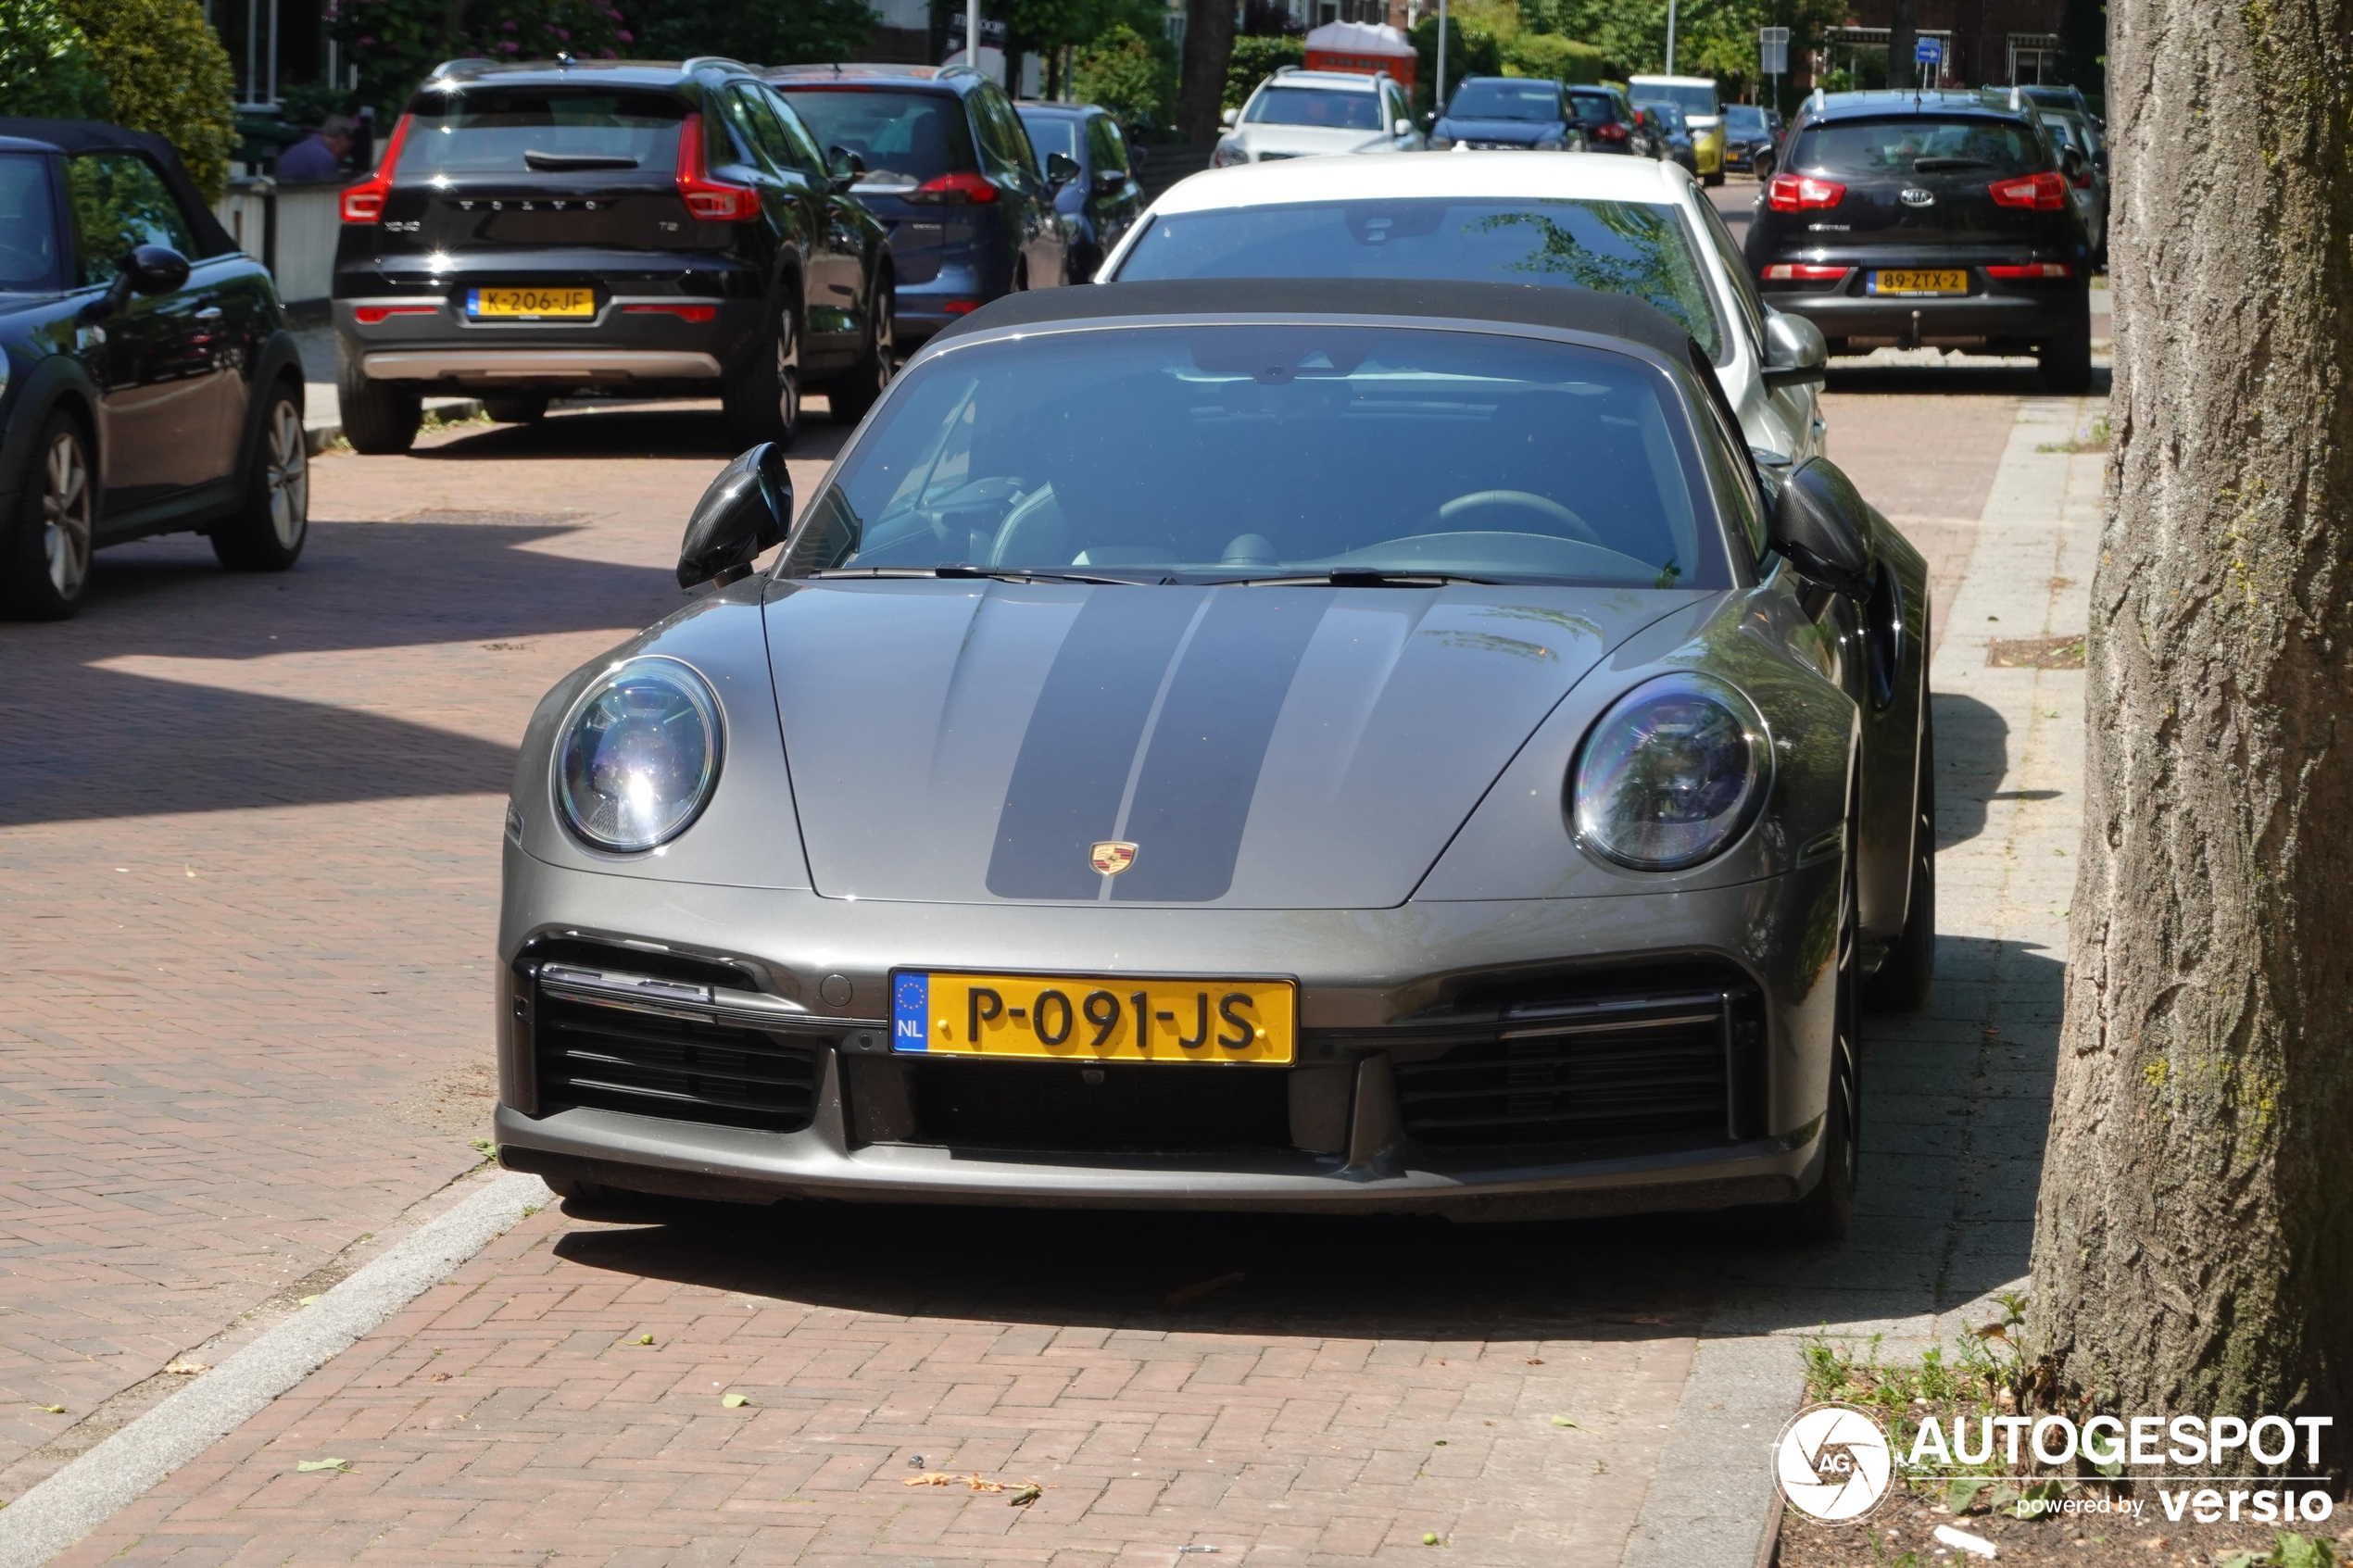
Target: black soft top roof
[1533,305]
[95,136]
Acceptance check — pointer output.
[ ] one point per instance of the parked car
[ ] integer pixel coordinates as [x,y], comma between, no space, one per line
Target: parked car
[1751,137]
[1608,122]
[944,165]
[1098,196]
[1411,782]
[1299,113]
[1500,113]
[1696,100]
[2089,178]
[1671,134]
[1939,218]
[667,230]
[148,380]
[1621,225]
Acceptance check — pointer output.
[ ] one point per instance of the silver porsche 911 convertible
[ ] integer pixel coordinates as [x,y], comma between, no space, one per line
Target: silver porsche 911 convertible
[1336,746]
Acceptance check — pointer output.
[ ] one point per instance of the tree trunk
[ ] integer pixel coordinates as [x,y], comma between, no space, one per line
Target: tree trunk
[1209,49]
[1902,33]
[2194,1244]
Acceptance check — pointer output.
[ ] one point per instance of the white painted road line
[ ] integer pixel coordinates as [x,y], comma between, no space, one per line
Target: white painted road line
[75,1499]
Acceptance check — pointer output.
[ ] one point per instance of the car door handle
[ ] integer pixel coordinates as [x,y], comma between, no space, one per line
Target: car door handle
[209,313]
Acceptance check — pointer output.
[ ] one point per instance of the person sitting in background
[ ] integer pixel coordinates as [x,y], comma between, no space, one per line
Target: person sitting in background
[320,154]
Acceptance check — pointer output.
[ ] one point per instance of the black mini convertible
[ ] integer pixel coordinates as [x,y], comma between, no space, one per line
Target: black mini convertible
[148,380]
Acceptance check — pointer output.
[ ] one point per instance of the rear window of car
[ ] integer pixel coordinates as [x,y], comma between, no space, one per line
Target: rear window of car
[518,130]
[1592,107]
[902,137]
[1916,145]
[1538,101]
[28,224]
[1638,248]
[1051,134]
[1278,449]
[1334,108]
[1742,121]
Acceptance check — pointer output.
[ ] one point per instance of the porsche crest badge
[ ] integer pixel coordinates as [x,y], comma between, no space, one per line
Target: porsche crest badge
[1112,856]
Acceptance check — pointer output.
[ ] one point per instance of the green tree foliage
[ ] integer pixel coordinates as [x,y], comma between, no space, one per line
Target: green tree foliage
[1126,74]
[394,43]
[1714,38]
[766,33]
[47,69]
[1254,59]
[1550,55]
[1471,50]
[166,72]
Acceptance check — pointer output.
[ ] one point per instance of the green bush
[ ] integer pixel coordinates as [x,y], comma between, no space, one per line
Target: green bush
[166,72]
[1550,55]
[394,43]
[1254,60]
[47,69]
[772,35]
[1123,72]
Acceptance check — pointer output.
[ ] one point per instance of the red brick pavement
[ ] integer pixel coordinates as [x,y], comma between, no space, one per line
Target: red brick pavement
[1364,1384]
[248,851]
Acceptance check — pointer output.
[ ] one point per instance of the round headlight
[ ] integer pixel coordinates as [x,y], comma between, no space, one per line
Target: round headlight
[1669,775]
[638,755]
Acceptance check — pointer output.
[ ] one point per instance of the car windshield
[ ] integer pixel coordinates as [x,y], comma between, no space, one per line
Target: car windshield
[1638,248]
[28,225]
[911,136]
[1691,99]
[1277,451]
[1051,134]
[1592,107]
[1917,144]
[1744,120]
[2059,131]
[1339,108]
[1538,101]
[511,130]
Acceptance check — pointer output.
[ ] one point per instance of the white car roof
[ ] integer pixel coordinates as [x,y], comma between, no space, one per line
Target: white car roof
[1504,176]
[1327,80]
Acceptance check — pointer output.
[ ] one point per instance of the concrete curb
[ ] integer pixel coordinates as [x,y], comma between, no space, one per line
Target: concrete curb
[75,1500]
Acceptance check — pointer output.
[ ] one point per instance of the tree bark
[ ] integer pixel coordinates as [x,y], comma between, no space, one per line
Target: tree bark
[2194,1244]
[1209,49]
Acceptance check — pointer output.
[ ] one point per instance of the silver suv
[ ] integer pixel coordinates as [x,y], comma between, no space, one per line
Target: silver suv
[1303,113]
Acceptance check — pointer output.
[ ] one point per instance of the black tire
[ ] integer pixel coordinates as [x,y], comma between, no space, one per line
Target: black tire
[379,417]
[2067,358]
[44,556]
[1909,973]
[265,534]
[1716,179]
[522,409]
[858,389]
[763,403]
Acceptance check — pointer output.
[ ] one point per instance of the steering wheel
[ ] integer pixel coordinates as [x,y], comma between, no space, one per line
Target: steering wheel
[1454,511]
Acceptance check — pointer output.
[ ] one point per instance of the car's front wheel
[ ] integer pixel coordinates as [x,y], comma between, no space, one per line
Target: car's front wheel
[380,419]
[763,403]
[1827,1213]
[267,532]
[47,568]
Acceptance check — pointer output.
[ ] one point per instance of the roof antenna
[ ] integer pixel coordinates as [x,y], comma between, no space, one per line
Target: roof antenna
[1820,102]
[2014,102]
[565,62]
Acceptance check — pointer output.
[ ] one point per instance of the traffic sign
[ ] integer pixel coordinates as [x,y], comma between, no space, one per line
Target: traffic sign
[1772,49]
[1929,51]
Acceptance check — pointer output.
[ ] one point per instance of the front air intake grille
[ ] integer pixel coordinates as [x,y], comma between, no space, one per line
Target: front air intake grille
[1678,1063]
[1053,1107]
[625,1059]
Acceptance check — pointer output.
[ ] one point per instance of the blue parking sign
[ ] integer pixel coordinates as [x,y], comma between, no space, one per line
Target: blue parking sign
[1929,51]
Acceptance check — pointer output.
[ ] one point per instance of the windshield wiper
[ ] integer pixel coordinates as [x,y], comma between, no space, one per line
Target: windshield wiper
[997,574]
[567,162]
[1933,164]
[1356,577]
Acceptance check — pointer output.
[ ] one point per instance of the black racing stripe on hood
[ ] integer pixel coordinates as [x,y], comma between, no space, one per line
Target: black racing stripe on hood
[1202,765]
[1076,755]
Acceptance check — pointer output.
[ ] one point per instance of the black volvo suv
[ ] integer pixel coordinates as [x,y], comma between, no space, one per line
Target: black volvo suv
[1937,220]
[541,230]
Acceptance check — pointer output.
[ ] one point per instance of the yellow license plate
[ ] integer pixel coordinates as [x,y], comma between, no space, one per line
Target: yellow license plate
[531,302]
[1919,282]
[1059,1018]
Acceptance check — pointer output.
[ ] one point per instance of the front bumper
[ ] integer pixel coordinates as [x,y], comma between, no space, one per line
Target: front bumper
[1379,989]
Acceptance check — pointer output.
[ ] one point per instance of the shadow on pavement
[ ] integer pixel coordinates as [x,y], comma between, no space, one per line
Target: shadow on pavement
[632,430]
[1957,376]
[1972,754]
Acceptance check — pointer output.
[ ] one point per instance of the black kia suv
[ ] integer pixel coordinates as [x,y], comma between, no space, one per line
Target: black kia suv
[1939,219]
[543,230]
[945,165]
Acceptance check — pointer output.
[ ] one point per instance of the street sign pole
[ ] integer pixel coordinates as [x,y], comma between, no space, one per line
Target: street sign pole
[972,34]
[1670,37]
[1772,57]
[1438,89]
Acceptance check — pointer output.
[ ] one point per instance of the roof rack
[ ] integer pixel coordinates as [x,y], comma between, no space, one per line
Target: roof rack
[696,62]
[960,67]
[464,64]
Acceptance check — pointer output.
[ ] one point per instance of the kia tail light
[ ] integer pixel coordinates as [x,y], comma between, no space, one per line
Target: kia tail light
[715,200]
[364,203]
[2009,273]
[955,189]
[1802,273]
[2046,191]
[1796,193]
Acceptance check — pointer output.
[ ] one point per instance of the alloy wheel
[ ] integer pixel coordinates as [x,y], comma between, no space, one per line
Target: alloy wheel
[65,515]
[787,373]
[287,473]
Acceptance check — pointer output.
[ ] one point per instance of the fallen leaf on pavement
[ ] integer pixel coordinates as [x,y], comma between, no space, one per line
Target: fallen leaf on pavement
[1204,1287]
[308,1299]
[1027,1496]
[188,1369]
[928,1478]
[342,1464]
[53,1410]
[439,1377]
[1564,1421]
[733,1401]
